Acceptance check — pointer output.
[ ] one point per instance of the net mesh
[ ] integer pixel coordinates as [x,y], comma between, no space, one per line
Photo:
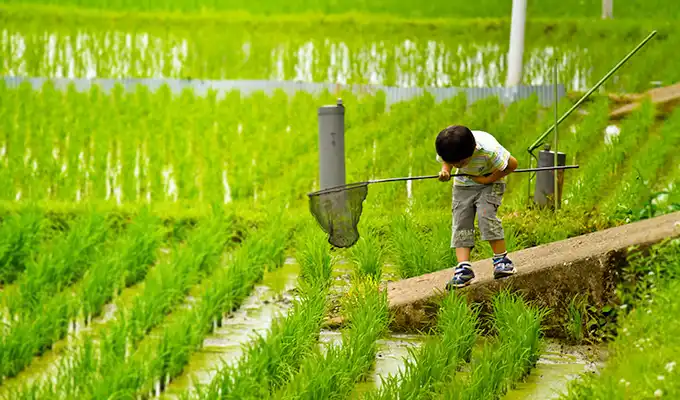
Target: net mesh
[338,210]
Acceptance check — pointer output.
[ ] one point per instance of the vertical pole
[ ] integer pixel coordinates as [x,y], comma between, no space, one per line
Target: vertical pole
[531,163]
[519,13]
[607,9]
[331,145]
[556,195]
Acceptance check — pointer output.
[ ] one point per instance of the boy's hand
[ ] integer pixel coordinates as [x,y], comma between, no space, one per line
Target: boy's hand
[444,175]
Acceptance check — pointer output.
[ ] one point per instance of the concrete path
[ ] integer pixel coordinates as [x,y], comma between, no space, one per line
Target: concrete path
[664,97]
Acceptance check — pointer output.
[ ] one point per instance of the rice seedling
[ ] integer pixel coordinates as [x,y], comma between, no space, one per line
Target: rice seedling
[418,252]
[639,181]
[368,255]
[434,364]
[20,234]
[37,308]
[333,375]
[658,9]
[312,50]
[63,262]
[107,370]
[269,360]
[227,288]
[127,264]
[599,174]
[510,359]
[575,323]
[36,330]
[314,257]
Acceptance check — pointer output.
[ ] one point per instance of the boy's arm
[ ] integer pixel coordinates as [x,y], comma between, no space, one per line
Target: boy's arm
[445,166]
[498,173]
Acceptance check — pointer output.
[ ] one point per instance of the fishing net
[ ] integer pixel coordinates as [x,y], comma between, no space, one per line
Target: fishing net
[337,210]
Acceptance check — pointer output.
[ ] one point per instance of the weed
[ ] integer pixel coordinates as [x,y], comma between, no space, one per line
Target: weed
[646,351]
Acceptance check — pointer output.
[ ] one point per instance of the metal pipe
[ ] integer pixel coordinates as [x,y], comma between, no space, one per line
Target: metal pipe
[331,145]
[556,193]
[417,178]
[594,88]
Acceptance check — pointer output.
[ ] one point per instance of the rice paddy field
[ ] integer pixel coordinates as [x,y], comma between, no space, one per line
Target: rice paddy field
[159,244]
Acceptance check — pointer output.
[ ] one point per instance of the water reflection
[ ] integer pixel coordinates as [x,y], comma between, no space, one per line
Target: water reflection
[408,63]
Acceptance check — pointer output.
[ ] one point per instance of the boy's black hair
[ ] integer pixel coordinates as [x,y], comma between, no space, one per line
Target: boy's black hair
[455,143]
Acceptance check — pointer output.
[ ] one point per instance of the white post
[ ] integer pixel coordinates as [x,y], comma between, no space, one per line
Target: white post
[607,9]
[519,14]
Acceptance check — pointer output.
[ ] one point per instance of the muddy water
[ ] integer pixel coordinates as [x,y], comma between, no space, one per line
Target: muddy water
[45,365]
[270,300]
[557,365]
[393,350]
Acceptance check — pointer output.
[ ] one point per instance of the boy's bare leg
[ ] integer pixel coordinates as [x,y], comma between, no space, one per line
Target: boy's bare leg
[498,247]
[463,254]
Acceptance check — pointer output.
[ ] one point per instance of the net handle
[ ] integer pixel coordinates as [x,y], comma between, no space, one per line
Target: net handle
[415,178]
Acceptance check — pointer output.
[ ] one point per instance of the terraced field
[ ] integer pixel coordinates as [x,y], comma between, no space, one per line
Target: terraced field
[160,244]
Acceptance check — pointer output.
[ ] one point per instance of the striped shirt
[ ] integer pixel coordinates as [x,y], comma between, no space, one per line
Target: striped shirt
[489,156]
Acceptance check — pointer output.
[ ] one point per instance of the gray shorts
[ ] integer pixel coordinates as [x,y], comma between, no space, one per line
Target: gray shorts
[483,201]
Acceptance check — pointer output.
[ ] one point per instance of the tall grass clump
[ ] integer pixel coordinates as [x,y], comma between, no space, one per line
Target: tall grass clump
[334,374]
[419,250]
[60,263]
[269,360]
[313,255]
[20,235]
[434,364]
[128,263]
[510,358]
[645,354]
[368,255]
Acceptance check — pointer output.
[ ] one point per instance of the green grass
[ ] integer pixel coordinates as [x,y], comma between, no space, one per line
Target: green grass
[20,235]
[657,9]
[644,355]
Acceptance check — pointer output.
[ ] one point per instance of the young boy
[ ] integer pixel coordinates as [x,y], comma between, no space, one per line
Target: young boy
[476,153]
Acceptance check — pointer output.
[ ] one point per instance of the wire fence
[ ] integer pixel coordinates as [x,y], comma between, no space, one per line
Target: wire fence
[393,94]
